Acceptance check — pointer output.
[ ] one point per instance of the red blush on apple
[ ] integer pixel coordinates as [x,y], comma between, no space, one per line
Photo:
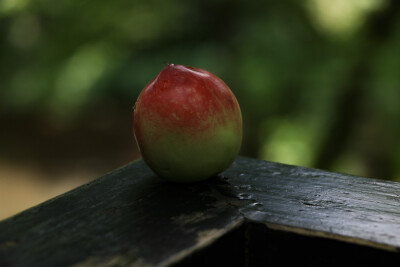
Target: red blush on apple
[187,124]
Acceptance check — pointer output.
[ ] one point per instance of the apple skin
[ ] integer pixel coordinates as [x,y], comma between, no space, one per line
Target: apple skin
[187,124]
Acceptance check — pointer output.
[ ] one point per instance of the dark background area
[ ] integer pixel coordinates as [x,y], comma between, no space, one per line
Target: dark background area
[317,81]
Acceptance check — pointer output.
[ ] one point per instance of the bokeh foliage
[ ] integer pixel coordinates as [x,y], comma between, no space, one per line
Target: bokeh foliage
[318,81]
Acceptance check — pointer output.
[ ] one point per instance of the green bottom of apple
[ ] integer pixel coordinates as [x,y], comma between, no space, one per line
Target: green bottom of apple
[186,159]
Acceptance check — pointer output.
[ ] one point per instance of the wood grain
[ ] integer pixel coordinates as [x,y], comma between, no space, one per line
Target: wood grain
[130,217]
[316,202]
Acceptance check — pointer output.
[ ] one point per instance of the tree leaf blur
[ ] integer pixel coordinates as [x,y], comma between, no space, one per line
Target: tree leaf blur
[317,80]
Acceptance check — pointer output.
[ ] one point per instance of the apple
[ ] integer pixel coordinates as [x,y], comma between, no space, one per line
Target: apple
[187,124]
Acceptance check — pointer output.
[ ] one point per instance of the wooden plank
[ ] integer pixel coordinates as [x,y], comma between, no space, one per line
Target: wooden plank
[318,203]
[131,217]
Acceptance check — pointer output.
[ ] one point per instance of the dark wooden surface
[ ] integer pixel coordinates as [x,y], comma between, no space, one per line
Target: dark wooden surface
[254,213]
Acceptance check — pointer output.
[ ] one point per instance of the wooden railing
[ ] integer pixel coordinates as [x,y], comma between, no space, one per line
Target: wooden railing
[256,213]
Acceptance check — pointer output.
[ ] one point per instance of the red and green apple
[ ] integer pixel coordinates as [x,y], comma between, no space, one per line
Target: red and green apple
[187,124]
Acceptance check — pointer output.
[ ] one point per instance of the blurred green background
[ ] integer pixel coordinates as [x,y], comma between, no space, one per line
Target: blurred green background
[317,80]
